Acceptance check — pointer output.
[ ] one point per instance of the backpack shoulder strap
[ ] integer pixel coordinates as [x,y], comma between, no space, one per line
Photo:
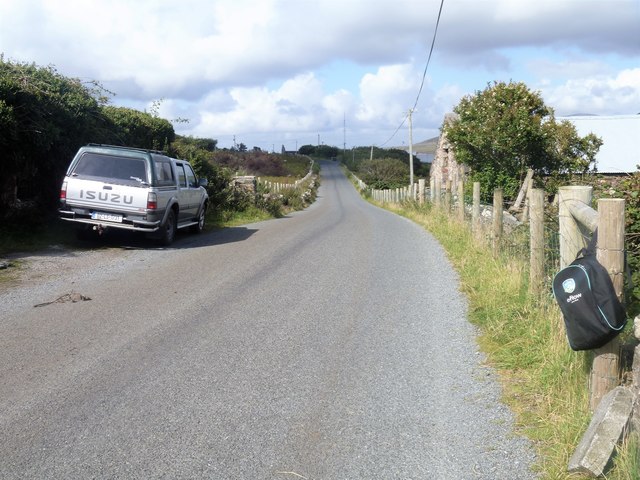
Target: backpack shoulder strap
[590,249]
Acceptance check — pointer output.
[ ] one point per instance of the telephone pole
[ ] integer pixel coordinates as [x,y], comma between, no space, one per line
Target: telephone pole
[344,136]
[410,149]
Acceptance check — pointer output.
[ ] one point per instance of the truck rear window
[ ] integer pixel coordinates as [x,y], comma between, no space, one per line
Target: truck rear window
[164,173]
[110,166]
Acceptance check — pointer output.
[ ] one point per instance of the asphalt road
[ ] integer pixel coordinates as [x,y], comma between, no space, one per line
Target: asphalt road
[331,344]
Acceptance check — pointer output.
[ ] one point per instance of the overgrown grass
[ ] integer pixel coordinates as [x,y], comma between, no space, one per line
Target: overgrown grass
[217,220]
[627,465]
[545,383]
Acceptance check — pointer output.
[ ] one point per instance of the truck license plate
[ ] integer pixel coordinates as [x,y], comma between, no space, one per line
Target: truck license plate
[108,217]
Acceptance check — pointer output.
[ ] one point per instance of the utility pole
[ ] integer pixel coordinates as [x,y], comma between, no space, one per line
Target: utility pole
[344,135]
[410,148]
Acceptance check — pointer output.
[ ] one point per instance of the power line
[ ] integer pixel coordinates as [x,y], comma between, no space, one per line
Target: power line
[424,75]
[394,133]
[433,42]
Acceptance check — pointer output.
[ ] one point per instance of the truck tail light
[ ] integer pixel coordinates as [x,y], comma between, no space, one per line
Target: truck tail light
[152,201]
[63,191]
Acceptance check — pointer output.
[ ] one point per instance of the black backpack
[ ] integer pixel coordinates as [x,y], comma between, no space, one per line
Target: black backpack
[592,313]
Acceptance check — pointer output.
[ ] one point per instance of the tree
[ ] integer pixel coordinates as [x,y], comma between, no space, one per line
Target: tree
[327,151]
[307,150]
[321,151]
[506,129]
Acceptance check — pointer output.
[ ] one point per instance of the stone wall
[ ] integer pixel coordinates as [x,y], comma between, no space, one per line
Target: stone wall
[444,166]
[248,183]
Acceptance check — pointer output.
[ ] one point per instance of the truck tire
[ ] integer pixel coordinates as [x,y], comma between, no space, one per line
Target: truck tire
[199,227]
[168,230]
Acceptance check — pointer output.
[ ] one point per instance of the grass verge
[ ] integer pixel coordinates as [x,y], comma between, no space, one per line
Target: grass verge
[224,219]
[545,383]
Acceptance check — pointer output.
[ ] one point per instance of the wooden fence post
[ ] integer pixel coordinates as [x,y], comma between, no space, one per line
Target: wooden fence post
[421,183]
[498,205]
[522,193]
[475,212]
[536,229]
[610,253]
[572,234]
[527,201]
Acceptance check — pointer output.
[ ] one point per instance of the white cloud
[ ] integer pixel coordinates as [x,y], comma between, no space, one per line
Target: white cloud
[386,95]
[251,66]
[602,95]
[297,105]
[549,70]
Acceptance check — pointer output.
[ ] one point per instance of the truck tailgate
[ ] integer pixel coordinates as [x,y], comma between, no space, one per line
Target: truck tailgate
[105,196]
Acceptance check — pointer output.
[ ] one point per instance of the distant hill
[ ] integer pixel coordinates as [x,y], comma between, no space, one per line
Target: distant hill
[426,146]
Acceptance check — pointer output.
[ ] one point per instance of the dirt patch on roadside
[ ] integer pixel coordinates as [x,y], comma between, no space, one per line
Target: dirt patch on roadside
[28,269]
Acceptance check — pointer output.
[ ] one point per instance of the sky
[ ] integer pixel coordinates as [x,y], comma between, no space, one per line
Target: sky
[286,73]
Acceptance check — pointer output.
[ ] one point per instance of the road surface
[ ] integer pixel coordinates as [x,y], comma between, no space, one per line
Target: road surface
[331,344]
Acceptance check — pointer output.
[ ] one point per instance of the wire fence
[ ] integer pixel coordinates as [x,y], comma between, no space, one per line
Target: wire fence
[513,237]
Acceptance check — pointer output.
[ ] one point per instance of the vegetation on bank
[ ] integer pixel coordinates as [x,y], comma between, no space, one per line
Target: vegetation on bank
[383,168]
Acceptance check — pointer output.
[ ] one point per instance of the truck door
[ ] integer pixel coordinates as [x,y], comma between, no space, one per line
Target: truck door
[189,194]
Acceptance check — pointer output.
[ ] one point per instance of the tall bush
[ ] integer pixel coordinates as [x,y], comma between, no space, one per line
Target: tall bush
[44,118]
[384,173]
[199,152]
[138,129]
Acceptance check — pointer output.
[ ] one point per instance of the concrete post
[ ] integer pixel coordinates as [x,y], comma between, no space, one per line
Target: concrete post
[498,205]
[461,199]
[536,229]
[475,213]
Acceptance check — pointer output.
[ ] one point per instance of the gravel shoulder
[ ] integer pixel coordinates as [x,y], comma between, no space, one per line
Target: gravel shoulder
[39,276]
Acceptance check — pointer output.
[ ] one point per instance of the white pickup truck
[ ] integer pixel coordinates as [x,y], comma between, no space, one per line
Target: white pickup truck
[133,189]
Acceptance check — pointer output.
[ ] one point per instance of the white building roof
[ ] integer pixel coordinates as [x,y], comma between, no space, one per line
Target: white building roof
[620,134]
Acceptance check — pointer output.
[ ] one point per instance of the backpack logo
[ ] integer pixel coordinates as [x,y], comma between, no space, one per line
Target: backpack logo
[569,285]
